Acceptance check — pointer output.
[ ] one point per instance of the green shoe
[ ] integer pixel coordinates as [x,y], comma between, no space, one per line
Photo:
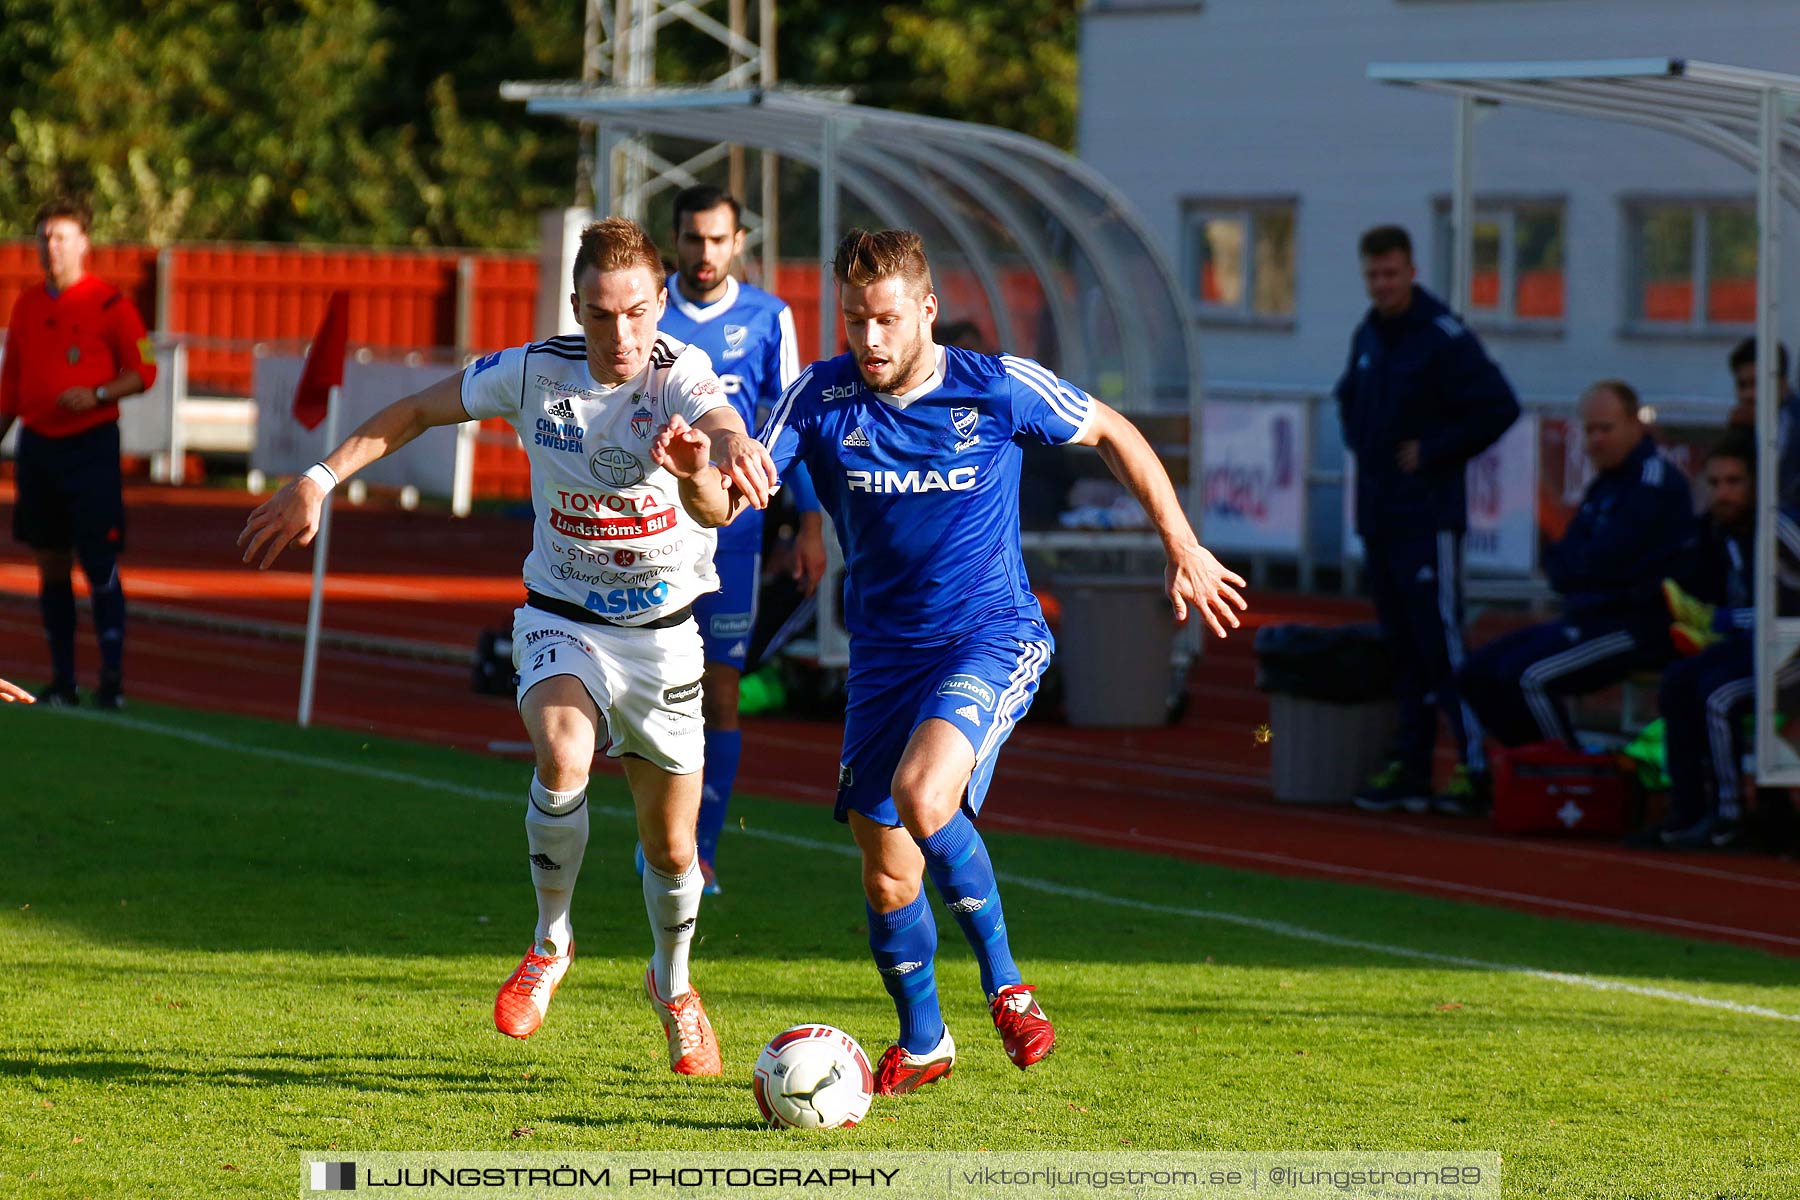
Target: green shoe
[1389,788]
[1467,794]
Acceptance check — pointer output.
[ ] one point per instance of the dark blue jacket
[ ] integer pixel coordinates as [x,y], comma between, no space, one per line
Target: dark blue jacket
[1422,375]
[1635,528]
[1722,569]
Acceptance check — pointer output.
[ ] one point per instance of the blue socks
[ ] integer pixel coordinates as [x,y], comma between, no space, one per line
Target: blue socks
[904,943]
[56,601]
[108,600]
[958,861]
[722,750]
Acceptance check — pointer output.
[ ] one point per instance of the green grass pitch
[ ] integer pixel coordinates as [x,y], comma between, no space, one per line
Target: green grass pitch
[223,942]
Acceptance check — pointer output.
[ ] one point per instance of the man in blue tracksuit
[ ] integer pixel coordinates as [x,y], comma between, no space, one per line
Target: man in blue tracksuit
[1742,362]
[1418,400]
[1635,527]
[1708,691]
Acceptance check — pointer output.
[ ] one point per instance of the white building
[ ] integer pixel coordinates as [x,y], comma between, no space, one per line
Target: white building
[1248,134]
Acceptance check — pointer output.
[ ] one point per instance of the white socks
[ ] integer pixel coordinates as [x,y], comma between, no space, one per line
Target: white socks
[673,903]
[556,832]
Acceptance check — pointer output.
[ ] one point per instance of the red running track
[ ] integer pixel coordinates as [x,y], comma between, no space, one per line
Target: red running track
[425,585]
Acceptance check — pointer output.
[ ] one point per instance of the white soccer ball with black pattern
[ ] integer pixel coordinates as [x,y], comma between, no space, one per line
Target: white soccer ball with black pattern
[813,1077]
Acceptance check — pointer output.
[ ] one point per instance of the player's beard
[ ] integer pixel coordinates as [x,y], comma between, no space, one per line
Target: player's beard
[693,285]
[900,368]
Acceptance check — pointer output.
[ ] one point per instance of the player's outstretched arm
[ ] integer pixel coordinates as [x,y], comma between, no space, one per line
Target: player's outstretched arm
[12,691]
[1193,576]
[740,456]
[291,516]
[705,491]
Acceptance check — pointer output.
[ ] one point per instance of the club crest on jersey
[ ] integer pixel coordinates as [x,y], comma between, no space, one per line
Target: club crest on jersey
[640,423]
[734,339]
[616,466]
[963,421]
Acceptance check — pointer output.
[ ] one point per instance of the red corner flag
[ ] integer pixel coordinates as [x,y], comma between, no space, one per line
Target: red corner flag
[324,368]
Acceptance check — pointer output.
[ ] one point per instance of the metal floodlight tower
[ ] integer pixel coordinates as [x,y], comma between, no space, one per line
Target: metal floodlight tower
[620,172]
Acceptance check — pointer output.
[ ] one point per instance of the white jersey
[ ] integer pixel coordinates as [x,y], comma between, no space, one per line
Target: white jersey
[611,535]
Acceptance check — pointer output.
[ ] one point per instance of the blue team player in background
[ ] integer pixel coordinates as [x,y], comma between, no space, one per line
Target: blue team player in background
[915,450]
[1418,399]
[749,334]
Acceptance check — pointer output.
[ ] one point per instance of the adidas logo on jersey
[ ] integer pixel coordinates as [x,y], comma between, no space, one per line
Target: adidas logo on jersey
[967,712]
[856,437]
[561,410]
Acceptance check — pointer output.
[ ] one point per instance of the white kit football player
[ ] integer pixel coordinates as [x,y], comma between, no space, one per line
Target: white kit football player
[606,639]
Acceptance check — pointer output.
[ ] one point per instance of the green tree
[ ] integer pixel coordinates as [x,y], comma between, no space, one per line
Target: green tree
[380,121]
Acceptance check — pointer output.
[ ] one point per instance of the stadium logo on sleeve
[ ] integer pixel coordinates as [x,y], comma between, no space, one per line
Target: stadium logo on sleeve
[970,687]
[963,421]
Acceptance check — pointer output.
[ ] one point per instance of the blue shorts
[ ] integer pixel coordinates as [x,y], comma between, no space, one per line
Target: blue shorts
[71,492]
[981,685]
[728,616]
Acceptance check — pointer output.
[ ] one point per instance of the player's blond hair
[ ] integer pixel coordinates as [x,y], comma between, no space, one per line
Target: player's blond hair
[616,244]
[865,256]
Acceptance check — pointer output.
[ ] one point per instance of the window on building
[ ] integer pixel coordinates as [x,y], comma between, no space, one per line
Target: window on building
[1239,258]
[1518,265]
[1693,264]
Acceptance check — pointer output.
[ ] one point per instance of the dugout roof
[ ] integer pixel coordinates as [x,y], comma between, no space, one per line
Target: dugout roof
[1058,266]
[1745,114]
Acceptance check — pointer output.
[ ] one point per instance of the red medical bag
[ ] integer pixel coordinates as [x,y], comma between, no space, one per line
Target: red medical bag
[1548,788]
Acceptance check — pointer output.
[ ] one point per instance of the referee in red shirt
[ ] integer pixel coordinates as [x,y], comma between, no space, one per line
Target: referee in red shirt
[75,347]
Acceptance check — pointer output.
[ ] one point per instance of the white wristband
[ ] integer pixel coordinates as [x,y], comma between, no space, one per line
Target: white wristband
[322,475]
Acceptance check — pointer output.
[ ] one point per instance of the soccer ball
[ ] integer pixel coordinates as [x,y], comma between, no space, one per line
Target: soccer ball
[813,1077]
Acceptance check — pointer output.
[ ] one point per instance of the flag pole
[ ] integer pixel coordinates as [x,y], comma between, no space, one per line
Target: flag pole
[321,545]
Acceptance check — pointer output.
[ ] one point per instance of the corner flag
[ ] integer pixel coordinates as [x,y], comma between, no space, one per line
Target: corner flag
[324,366]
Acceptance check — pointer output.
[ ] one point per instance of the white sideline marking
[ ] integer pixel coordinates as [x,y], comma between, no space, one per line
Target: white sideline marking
[1421,882]
[1261,924]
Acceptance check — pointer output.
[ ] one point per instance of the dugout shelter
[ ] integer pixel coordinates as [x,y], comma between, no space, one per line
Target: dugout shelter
[1747,115]
[1028,241]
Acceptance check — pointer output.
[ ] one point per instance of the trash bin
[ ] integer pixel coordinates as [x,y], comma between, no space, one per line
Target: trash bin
[1115,646]
[1331,708]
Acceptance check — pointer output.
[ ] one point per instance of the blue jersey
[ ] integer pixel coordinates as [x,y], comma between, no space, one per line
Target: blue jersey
[924,489]
[749,335]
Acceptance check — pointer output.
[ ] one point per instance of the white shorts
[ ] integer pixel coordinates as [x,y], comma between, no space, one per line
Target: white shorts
[645,682]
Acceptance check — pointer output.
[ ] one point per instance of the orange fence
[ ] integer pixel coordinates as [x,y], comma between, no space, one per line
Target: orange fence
[224,298]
